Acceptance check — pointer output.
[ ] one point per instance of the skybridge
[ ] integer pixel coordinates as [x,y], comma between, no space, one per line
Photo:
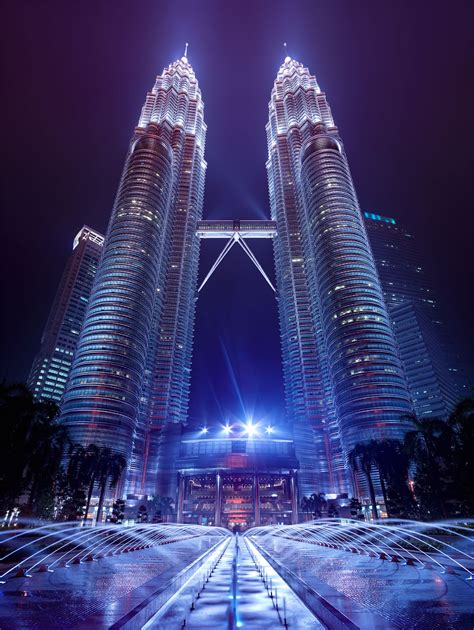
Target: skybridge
[236,231]
[243,228]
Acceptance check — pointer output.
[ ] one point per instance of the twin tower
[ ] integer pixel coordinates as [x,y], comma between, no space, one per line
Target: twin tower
[130,378]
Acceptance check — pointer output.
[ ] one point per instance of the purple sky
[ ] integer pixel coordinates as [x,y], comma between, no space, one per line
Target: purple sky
[399,80]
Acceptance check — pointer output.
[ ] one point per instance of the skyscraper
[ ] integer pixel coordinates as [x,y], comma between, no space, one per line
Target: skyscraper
[175,101]
[52,364]
[343,377]
[130,374]
[430,361]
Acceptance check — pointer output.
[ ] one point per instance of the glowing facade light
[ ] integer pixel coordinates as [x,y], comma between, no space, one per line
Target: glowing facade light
[269,429]
[227,429]
[204,430]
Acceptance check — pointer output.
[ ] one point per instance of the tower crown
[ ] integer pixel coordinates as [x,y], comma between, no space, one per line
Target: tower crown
[176,98]
[296,99]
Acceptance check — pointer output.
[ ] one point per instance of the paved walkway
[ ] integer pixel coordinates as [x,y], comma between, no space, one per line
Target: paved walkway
[404,597]
[255,609]
[93,594]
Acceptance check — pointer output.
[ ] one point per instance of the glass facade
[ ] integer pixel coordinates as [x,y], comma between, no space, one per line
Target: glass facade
[130,374]
[344,381]
[176,104]
[432,368]
[237,499]
[51,366]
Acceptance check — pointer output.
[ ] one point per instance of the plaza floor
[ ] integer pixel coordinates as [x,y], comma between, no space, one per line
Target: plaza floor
[93,594]
[403,597]
[373,594]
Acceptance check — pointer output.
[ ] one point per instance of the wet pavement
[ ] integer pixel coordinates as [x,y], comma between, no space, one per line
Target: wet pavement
[93,594]
[405,597]
[101,593]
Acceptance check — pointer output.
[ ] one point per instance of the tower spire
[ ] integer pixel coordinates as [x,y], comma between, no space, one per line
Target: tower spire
[287,56]
[186,50]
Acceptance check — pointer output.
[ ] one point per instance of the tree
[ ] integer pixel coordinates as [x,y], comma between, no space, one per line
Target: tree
[393,467]
[109,470]
[443,455]
[314,504]
[48,447]
[88,470]
[332,511]
[461,423]
[429,445]
[70,498]
[426,437]
[142,516]
[305,505]
[118,511]
[362,458]
[318,503]
[161,506]
[355,507]
[31,448]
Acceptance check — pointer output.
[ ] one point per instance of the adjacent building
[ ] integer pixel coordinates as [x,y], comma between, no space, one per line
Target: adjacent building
[431,364]
[51,366]
[343,378]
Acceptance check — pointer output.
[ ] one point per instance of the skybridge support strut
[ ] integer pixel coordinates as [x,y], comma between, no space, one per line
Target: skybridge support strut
[252,257]
[228,246]
[236,238]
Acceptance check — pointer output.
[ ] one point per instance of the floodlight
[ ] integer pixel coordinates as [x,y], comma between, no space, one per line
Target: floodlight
[251,429]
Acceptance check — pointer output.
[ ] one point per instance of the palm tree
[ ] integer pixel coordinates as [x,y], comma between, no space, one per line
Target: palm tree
[384,467]
[30,445]
[45,463]
[430,441]
[82,470]
[109,470]
[305,504]
[426,436]
[167,505]
[362,458]
[162,506]
[393,467]
[318,503]
[461,422]
[89,469]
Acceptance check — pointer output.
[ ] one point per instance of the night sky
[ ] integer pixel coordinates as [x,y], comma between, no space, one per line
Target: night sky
[399,79]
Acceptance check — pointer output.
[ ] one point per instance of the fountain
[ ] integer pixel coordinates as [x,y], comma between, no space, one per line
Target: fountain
[435,544]
[63,544]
